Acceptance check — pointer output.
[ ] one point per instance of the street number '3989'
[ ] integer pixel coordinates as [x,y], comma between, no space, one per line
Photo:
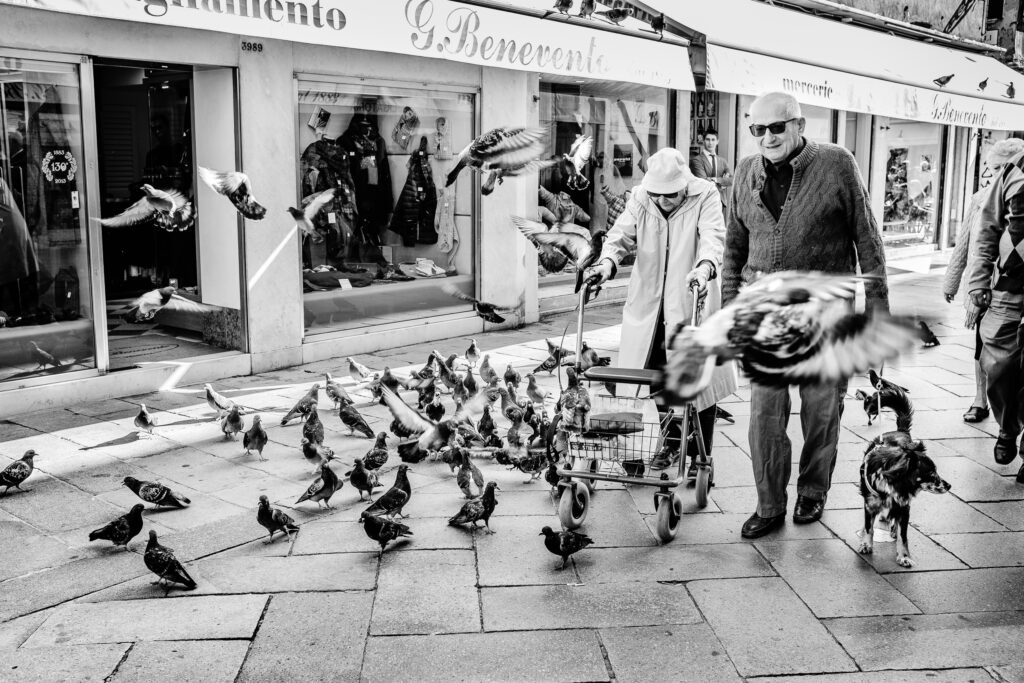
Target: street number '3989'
[251,47]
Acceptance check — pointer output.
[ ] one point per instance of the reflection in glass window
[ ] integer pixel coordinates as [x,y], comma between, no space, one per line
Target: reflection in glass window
[627,124]
[912,182]
[392,234]
[45,306]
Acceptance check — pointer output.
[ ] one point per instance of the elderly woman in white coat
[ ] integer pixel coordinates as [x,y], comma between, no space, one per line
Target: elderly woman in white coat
[673,223]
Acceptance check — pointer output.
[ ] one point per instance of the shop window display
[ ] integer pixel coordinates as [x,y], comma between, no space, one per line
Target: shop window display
[626,123]
[912,180]
[45,304]
[392,234]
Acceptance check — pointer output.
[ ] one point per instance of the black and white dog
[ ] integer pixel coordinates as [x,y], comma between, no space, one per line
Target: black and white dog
[895,469]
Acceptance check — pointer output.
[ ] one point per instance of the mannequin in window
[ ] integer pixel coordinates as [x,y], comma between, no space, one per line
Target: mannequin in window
[368,161]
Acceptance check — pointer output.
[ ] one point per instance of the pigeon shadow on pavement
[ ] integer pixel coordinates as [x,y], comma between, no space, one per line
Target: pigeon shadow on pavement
[119,441]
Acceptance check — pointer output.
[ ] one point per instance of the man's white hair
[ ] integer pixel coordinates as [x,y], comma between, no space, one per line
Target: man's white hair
[791,107]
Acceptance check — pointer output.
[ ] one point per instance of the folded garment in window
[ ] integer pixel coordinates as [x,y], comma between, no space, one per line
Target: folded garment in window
[331,279]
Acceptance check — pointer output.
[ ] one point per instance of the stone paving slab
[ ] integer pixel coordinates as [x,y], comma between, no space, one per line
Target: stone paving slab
[927,555]
[743,499]
[24,549]
[985,550]
[947,514]
[1009,513]
[701,529]
[970,590]
[328,536]
[203,509]
[76,663]
[670,563]
[407,605]
[511,556]
[193,618]
[551,656]
[16,631]
[833,580]
[976,675]
[766,628]
[310,637]
[931,640]
[588,606]
[52,505]
[980,451]
[212,661]
[682,653]
[973,482]
[1010,673]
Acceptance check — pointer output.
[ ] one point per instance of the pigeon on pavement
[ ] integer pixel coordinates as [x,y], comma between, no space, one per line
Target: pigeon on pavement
[313,428]
[383,530]
[378,455]
[161,561]
[358,371]
[304,218]
[469,474]
[273,520]
[144,422]
[512,376]
[473,353]
[237,187]
[354,421]
[488,374]
[316,453]
[335,391]
[532,390]
[156,493]
[363,479]
[217,402]
[564,543]
[435,411]
[395,498]
[303,406]
[478,509]
[322,488]
[231,423]
[121,530]
[256,438]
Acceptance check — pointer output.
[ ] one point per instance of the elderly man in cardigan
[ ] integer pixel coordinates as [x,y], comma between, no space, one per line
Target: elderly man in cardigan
[798,205]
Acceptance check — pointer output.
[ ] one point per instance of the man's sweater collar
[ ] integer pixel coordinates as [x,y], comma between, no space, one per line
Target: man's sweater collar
[801,160]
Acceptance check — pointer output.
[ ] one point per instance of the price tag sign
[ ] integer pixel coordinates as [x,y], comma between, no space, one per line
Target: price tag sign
[331,218]
[345,284]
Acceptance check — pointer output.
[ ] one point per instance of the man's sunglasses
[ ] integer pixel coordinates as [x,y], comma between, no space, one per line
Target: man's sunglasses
[776,128]
[667,195]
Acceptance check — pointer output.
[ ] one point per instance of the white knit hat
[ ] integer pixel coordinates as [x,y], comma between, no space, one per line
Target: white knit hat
[667,172]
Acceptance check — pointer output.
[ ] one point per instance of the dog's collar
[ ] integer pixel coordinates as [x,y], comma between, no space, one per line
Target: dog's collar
[867,478]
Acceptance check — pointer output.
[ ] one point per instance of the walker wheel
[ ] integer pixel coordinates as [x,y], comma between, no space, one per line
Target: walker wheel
[586,465]
[573,504]
[668,517]
[705,480]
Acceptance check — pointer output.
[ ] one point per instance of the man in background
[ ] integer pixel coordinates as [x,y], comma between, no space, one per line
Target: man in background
[710,166]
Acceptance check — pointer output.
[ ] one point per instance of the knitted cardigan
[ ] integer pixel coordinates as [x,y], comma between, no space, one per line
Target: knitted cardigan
[826,223]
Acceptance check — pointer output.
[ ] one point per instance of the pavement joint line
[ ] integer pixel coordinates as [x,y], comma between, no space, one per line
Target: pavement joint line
[605,657]
[255,632]
[124,657]
[369,621]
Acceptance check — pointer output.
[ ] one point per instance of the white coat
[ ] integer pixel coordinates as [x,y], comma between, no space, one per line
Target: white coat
[666,251]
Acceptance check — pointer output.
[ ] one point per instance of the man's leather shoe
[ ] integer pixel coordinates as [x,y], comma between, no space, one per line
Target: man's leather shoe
[1006,448]
[808,510]
[756,527]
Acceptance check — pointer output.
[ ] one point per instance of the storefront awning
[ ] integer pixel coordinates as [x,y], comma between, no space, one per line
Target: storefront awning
[438,29]
[753,47]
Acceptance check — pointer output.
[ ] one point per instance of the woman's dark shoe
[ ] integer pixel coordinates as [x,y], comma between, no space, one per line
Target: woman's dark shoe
[808,510]
[1020,475]
[1006,448]
[976,414]
[756,527]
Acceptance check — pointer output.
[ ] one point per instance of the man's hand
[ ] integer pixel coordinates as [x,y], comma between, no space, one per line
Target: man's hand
[600,273]
[699,276]
[981,297]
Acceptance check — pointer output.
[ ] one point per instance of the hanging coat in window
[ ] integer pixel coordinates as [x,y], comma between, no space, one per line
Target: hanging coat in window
[413,218]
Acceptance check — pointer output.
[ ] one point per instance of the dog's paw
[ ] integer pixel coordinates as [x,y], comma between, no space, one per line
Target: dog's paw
[865,548]
[904,560]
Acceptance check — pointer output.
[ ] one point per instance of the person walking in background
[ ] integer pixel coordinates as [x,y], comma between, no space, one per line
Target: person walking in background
[673,223]
[798,205]
[999,241]
[708,165]
[997,157]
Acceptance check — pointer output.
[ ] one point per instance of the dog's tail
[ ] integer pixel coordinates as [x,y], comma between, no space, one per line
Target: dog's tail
[899,402]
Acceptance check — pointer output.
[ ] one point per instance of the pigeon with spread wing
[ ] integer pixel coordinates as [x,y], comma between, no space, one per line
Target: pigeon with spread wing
[575,242]
[313,204]
[149,304]
[575,162]
[237,187]
[169,209]
[508,149]
[487,311]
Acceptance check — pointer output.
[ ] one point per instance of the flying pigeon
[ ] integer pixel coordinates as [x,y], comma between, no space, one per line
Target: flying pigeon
[575,162]
[335,391]
[354,421]
[496,176]
[586,8]
[316,453]
[304,405]
[144,422]
[313,428]
[395,498]
[217,402]
[942,81]
[786,328]
[487,311]
[304,218]
[237,187]
[273,520]
[42,357]
[473,353]
[616,16]
[358,371]
[564,543]
[927,336]
[18,471]
[502,148]
[322,488]
[256,438]
[231,423]
[575,242]
[168,208]
[432,435]
[478,509]
[377,456]
[363,479]
[383,530]
[149,304]
[121,530]
[156,493]
[161,561]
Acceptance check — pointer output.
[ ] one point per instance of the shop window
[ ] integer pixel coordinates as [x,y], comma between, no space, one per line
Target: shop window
[913,179]
[628,123]
[703,118]
[46,309]
[392,234]
[819,126]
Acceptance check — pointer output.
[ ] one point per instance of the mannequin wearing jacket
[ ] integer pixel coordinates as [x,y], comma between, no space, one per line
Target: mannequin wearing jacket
[368,161]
